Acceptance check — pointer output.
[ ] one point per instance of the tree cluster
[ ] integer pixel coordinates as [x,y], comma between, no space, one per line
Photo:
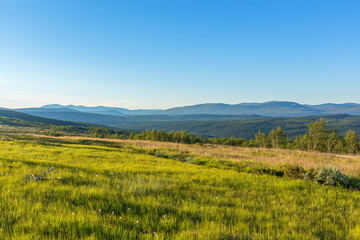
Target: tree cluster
[318,138]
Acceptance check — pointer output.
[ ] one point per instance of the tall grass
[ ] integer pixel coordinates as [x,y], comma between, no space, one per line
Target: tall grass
[349,164]
[98,192]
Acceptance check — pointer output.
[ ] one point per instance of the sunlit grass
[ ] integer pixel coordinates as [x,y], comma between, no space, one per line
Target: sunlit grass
[349,164]
[97,192]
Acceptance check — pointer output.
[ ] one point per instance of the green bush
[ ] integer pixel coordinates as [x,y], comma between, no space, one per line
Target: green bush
[331,176]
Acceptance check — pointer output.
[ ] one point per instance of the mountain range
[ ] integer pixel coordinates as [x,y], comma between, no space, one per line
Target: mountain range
[210,119]
[99,110]
[266,109]
[204,125]
[173,118]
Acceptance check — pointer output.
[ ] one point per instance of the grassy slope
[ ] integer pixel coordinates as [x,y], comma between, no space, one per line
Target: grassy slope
[349,164]
[107,193]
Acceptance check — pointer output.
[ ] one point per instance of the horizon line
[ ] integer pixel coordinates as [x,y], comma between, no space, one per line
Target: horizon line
[189,105]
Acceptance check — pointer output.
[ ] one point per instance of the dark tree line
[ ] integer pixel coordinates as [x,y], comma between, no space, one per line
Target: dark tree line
[317,138]
[184,137]
[96,132]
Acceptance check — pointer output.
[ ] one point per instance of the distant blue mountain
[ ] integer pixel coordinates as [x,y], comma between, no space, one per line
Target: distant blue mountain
[102,110]
[270,109]
[62,109]
[267,109]
[344,108]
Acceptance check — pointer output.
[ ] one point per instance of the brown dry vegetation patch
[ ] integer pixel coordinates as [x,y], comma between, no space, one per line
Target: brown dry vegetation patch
[349,164]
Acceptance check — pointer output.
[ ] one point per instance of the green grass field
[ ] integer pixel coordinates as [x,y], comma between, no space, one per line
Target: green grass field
[97,192]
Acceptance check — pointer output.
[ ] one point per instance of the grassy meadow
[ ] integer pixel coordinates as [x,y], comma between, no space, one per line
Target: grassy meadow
[349,164]
[99,192]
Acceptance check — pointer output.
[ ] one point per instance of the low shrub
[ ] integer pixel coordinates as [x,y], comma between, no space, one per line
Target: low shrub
[331,176]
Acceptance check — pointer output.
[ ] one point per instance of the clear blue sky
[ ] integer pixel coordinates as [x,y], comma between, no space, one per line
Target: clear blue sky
[165,53]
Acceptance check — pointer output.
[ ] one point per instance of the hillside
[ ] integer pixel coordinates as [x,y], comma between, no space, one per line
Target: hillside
[55,190]
[31,119]
[21,123]
[248,127]
[239,126]
[113,120]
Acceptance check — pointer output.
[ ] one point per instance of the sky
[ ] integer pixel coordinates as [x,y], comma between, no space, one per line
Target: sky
[166,53]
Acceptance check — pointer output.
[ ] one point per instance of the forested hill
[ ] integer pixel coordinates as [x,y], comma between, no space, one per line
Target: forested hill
[114,120]
[246,129]
[16,122]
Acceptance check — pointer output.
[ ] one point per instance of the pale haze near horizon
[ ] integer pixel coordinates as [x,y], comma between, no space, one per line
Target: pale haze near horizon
[145,54]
